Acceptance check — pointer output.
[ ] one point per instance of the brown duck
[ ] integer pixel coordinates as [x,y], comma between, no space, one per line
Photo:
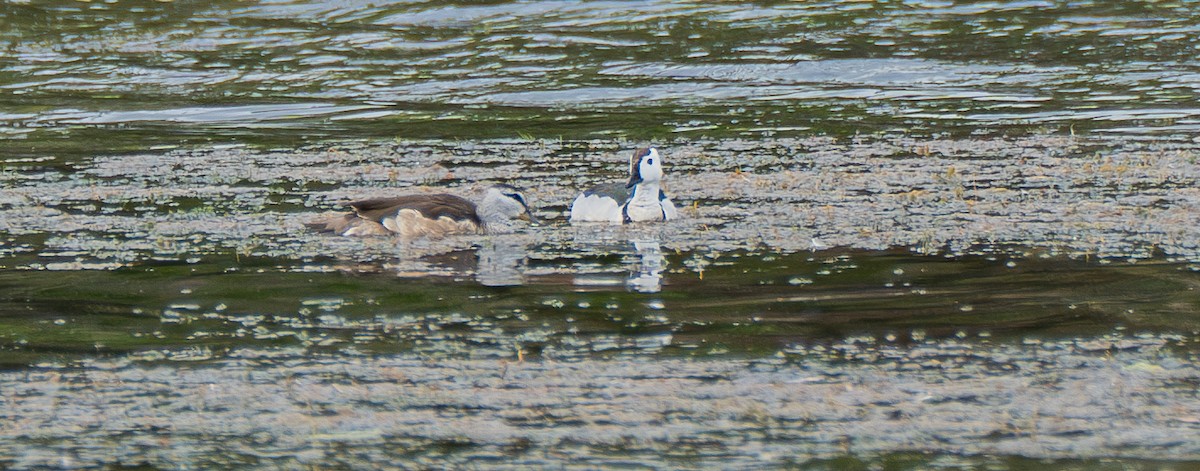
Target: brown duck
[438,215]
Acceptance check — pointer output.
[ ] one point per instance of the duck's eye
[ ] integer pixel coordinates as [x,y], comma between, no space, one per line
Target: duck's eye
[650,161]
[518,197]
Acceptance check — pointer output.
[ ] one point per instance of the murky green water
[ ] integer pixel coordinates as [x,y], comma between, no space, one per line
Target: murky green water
[917,234]
[755,304]
[127,75]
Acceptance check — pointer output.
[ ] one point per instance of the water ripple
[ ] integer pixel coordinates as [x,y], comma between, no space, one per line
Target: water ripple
[838,62]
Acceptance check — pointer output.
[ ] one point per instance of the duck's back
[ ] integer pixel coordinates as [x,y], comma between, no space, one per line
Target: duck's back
[600,204]
[409,216]
[428,206]
[421,215]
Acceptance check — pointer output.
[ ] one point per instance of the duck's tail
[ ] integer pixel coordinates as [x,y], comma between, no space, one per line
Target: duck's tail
[346,224]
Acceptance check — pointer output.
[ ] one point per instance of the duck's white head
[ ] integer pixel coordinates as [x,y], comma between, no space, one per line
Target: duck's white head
[503,203]
[645,166]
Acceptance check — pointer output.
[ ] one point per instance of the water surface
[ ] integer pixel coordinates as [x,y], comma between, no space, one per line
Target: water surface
[916,234]
[125,75]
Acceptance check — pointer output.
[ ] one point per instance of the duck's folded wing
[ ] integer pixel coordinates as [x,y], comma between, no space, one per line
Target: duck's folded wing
[619,192]
[429,206]
[600,204]
[668,208]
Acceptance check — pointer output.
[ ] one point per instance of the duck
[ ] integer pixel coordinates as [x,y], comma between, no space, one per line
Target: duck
[641,199]
[430,216]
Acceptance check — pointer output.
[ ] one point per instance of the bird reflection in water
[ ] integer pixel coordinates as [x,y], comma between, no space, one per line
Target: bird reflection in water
[501,262]
[648,277]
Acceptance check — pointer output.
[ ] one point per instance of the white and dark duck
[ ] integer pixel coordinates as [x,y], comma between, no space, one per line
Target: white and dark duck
[641,199]
[436,215]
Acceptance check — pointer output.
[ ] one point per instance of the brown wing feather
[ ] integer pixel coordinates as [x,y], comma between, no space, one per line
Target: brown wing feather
[331,223]
[347,224]
[430,206]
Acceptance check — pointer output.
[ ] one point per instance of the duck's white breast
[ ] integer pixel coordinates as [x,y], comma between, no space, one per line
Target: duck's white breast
[645,213]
